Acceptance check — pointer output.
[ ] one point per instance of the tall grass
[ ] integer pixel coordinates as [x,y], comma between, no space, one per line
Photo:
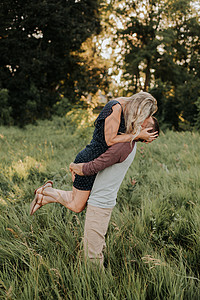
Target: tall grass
[154,235]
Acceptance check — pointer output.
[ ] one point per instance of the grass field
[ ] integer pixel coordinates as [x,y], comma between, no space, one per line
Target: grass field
[153,241]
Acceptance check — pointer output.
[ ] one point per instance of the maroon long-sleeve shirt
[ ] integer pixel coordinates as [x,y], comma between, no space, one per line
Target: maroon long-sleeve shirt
[115,154]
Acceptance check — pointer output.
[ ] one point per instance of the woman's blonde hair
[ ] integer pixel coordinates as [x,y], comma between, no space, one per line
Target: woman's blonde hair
[136,109]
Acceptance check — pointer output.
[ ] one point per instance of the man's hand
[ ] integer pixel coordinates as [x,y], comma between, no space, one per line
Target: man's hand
[73,176]
[147,136]
[76,168]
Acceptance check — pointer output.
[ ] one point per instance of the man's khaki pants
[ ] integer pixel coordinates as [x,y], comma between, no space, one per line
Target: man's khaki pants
[96,225]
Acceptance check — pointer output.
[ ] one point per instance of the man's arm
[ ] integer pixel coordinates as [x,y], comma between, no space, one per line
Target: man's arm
[115,154]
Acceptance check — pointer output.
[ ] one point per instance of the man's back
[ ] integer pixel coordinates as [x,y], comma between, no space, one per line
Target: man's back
[108,181]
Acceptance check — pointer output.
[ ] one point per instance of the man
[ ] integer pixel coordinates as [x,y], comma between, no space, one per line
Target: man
[111,168]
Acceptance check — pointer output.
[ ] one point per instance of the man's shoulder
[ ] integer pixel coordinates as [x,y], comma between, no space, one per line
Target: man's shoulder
[124,149]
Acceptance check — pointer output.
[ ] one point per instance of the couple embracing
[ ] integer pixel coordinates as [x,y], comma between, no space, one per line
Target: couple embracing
[100,167]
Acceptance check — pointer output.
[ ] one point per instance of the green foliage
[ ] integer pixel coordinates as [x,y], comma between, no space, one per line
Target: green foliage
[40,54]
[5,109]
[51,56]
[153,238]
[197,124]
[161,54]
[61,107]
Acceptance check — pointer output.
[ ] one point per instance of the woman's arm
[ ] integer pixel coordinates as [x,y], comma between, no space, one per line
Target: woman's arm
[111,128]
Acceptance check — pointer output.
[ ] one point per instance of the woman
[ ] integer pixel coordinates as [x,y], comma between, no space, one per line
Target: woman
[119,121]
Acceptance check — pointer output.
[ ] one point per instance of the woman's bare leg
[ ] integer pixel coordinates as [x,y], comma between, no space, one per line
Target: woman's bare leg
[74,200]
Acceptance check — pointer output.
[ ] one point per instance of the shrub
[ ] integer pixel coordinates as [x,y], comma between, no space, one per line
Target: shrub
[5,109]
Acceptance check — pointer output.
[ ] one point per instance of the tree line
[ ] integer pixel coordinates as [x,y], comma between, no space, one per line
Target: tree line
[51,56]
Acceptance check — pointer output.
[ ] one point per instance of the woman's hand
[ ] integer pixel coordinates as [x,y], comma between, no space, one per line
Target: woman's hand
[76,168]
[147,136]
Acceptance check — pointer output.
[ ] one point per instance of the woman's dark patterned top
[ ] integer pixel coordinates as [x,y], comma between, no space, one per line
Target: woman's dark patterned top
[97,146]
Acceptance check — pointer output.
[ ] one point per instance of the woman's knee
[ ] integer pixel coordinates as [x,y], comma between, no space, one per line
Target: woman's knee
[80,199]
[80,203]
[79,209]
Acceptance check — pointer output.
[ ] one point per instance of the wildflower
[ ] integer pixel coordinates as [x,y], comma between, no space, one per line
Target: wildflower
[133,181]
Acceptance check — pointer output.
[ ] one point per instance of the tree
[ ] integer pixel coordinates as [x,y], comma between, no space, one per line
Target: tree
[40,46]
[161,55]
[141,40]
[178,65]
